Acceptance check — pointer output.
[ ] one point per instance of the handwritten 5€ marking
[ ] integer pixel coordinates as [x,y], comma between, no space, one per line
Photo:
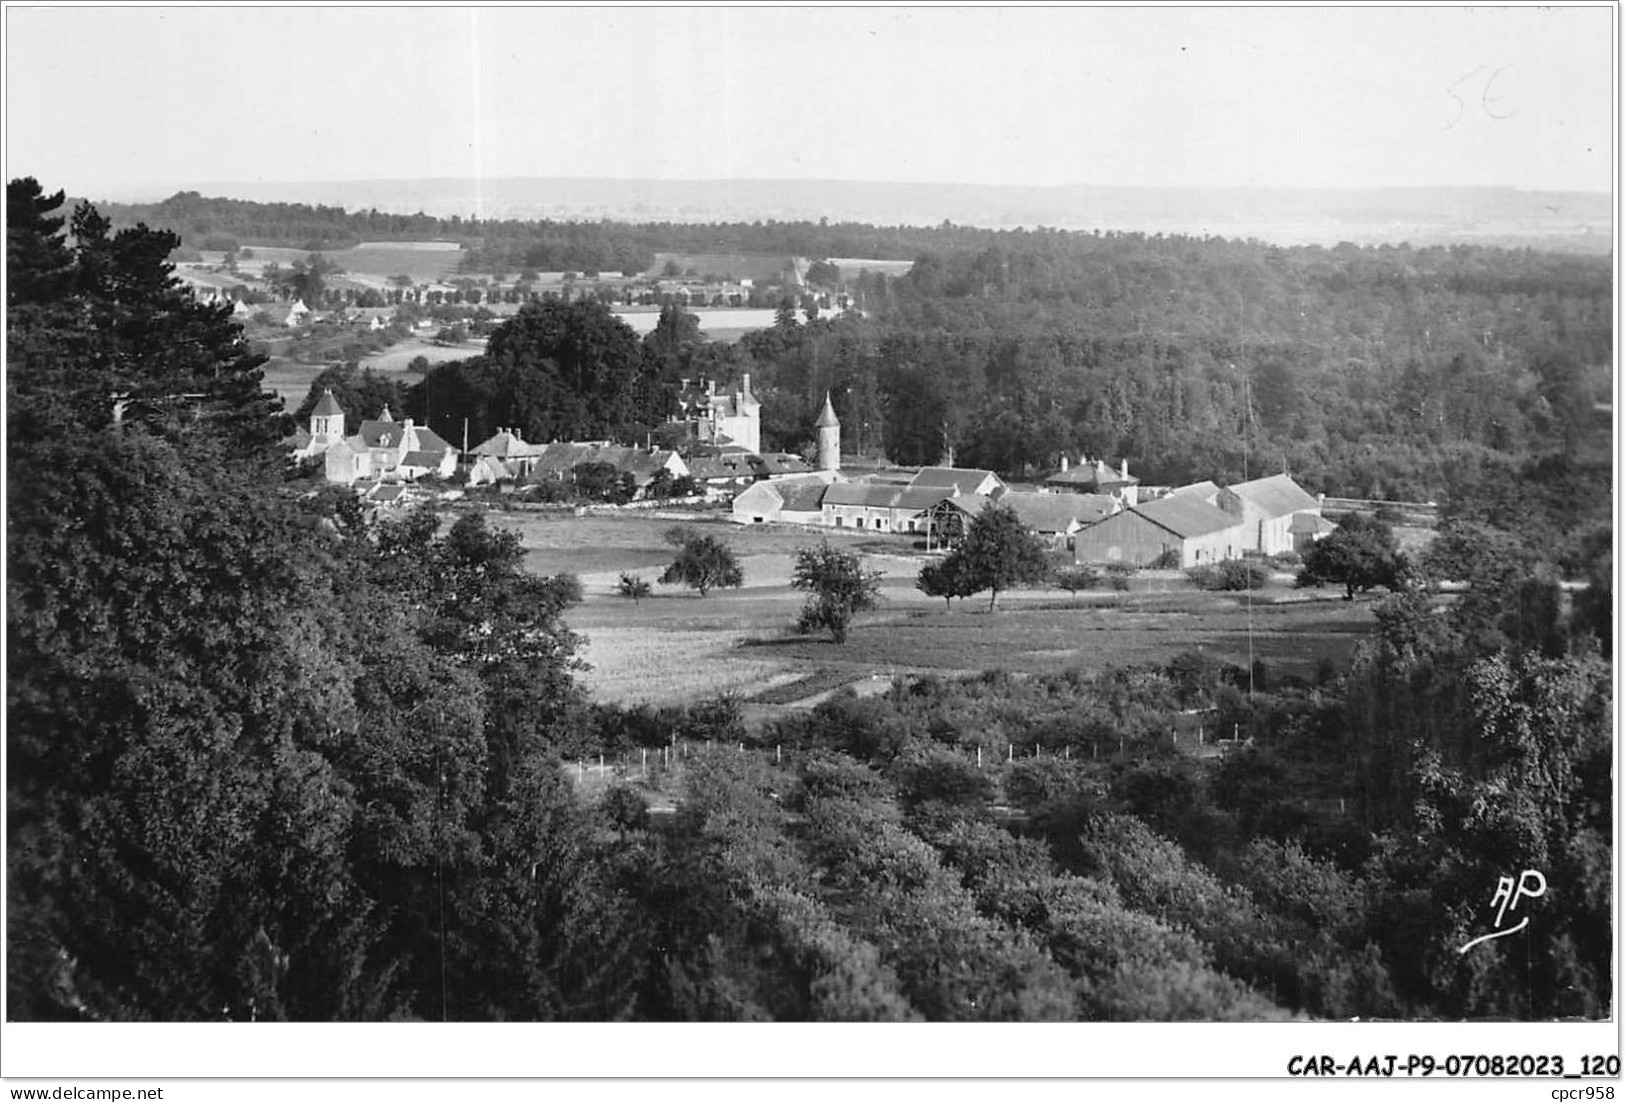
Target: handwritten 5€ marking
[1531,884]
[1486,95]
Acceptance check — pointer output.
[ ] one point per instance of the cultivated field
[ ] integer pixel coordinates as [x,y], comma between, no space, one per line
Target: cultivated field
[291,379]
[395,358]
[424,261]
[676,647]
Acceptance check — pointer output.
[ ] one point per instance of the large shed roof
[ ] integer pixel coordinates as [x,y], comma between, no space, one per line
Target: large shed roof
[1276,496]
[1186,516]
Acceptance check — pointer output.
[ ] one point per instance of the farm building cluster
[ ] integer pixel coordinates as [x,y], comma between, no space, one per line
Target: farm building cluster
[1093,509]
[1101,513]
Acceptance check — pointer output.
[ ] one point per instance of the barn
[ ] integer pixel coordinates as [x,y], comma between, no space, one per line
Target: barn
[788,500]
[1266,507]
[1180,530]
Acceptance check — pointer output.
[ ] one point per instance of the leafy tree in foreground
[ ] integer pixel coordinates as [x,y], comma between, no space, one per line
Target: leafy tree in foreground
[1361,555]
[946,579]
[838,587]
[999,552]
[703,562]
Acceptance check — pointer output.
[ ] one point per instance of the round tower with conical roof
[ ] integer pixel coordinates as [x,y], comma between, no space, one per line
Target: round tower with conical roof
[829,438]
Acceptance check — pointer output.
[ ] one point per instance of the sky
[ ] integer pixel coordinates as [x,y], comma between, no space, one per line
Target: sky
[107,100]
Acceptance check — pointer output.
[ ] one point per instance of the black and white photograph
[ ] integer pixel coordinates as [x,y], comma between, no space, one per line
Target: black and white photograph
[551,525]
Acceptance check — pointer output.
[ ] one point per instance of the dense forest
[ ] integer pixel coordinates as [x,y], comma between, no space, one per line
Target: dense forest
[508,247]
[270,758]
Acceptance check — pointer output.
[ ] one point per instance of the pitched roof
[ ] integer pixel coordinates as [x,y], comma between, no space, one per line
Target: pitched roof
[1058,512]
[777,463]
[431,441]
[862,493]
[373,433]
[1207,490]
[826,416]
[800,495]
[1186,516]
[1091,474]
[423,459]
[712,467]
[1275,496]
[1308,524]
[508,444]
[969,504]
[958,479]
[327,407]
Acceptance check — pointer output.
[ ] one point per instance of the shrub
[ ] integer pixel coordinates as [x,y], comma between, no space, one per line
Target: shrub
[1231,574]
[1074,578]
[1119,573]
[631,585]
[1243,574]
[1203,576]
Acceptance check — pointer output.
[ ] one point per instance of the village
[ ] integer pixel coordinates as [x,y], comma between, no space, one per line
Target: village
[1099,513]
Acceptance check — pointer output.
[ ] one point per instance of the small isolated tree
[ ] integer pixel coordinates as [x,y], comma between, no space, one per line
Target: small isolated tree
[838,588]
[703,562]
[1074,578]
[1361,555]
[633,586]
[943,579]
[999,552]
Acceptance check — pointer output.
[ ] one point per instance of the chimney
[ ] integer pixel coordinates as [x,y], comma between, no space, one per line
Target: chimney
[1064,462]
[744,384]
[1124,473]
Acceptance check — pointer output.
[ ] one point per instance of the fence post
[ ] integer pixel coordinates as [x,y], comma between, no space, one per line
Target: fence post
[1010,752]
[579,774]
[778,753]
[978,757]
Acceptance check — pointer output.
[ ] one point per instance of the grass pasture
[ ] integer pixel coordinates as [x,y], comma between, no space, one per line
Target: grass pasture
[675,647]
[394,359]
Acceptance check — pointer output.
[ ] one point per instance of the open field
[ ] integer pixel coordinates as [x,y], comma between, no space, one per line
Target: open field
[676,647]
[424,261]
[292,379]
[718,324]
[395,358]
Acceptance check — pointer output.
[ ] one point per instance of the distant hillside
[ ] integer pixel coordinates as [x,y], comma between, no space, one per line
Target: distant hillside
[1574,221]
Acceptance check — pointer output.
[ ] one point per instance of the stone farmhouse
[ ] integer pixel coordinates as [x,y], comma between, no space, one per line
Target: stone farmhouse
[1095,477]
